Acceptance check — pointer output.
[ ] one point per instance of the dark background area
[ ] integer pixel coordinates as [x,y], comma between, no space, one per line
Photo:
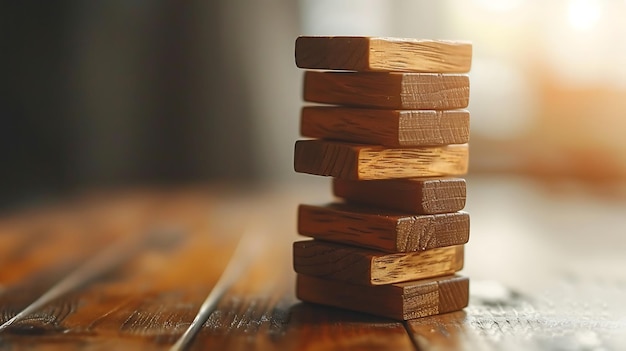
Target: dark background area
[110,93]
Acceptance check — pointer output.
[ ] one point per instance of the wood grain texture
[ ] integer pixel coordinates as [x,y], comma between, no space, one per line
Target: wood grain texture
[138,302]
[399,301]
[45,247]
[368,267]
[369,162]
[405,91]
[386,127]
[415,195]
[382,230]
[42,243]
[260,312]
[383,54]
[147,301]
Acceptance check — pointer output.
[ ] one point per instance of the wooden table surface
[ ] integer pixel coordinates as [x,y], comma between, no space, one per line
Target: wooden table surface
[130,270]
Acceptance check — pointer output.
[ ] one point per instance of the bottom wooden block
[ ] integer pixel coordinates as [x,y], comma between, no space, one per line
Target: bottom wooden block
[401,301]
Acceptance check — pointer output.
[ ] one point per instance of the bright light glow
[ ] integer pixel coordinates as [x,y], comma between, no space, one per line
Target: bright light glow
[348,17]
[502,99]
[584,14]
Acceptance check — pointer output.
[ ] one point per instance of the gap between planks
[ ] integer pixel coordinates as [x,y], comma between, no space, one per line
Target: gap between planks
[248,248]
[405,324]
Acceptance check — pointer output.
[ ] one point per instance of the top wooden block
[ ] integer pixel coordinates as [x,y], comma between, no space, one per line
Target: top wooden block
[383,54]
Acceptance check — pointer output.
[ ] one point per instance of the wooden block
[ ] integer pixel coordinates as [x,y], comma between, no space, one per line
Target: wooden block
[414,195]
[383,54]
[386,127]
[381,229]
[368,162]
[401,301]
[406,91]
[368,267]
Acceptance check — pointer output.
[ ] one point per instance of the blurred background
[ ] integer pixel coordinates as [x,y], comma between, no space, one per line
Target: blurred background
[122,93]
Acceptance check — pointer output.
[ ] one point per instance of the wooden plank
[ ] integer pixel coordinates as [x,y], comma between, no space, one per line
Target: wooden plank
[147,297]
[386,127]
[138,305]
[382,230]
[415,195]
[406,91]
[383,54]
[368,267]
[46,246]
[399,301]
[41,247]
[369,162]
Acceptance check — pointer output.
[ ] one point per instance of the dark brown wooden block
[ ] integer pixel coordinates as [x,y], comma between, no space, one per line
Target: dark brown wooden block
[368,162]
[406,91]
[386,127]
[382,229]
[414,195]
[368,267]
[401,301]
[383,54]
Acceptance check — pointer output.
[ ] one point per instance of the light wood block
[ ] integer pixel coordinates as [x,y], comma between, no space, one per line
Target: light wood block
[383,54]
[394,128]
[368,162]
[381,229]
[414,195]
[368,267]
[405,91]
[401,301]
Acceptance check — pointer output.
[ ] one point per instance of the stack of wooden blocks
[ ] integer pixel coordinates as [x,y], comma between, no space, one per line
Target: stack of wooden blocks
[394,141]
